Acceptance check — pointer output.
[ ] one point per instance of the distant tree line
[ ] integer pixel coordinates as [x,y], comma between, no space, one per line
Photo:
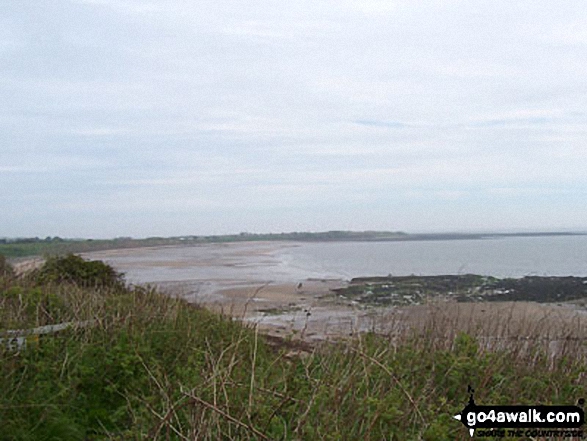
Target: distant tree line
[6,240]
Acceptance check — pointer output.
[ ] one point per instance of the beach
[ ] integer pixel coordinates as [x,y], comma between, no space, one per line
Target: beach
[250,282]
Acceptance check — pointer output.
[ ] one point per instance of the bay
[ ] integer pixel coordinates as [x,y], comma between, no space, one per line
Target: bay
[279,262]
[499,257]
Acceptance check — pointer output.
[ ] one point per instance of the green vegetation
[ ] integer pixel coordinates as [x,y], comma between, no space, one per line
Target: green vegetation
[19,248]
[6,270]
[24,247]
[154,367]
[74,269]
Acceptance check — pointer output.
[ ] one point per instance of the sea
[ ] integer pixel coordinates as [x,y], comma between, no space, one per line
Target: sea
[495,256]
[254,262]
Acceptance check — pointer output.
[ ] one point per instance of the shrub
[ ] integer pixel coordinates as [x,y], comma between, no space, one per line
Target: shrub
[6,270]
[76,270]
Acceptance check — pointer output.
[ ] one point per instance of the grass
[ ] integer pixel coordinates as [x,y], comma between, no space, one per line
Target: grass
[19,249]
[155,367]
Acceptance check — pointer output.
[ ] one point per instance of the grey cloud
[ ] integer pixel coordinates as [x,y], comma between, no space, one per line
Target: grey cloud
[211,104]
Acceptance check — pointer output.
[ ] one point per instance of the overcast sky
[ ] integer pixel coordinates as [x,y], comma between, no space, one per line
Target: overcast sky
[141,118]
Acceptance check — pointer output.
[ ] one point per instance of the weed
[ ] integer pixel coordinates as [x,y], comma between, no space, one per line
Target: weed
[156,367]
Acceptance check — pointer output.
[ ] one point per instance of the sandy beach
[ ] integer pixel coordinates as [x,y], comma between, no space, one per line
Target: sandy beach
[248,281]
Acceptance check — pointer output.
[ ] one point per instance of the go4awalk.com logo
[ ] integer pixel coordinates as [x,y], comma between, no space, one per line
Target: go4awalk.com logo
[529,421]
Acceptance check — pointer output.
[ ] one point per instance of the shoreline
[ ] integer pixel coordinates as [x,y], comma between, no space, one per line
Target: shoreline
[249,282]
[282,310]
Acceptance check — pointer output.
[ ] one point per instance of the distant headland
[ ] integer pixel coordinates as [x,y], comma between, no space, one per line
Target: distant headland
[24,247]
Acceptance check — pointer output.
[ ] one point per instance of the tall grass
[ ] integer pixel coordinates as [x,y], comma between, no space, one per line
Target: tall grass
[155,367]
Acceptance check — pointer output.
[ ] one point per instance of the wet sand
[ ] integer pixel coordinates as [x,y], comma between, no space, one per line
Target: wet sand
[318,315]
[249,282]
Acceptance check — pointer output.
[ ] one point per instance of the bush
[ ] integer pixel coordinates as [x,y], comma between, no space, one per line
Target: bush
[76,270]
[6,270]
[150,366]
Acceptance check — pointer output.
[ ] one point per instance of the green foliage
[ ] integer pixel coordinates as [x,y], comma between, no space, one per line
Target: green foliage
[6,270]
[58,246]
[74,269]
[30,306]
[55,245]
[153,367]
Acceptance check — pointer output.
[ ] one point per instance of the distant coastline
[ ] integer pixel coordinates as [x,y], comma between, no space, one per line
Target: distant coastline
[15,248]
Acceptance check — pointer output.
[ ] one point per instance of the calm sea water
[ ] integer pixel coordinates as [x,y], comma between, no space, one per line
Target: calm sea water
[501,257]
[221,265]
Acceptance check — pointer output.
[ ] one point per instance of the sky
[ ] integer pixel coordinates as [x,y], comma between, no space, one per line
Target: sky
[193,117]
